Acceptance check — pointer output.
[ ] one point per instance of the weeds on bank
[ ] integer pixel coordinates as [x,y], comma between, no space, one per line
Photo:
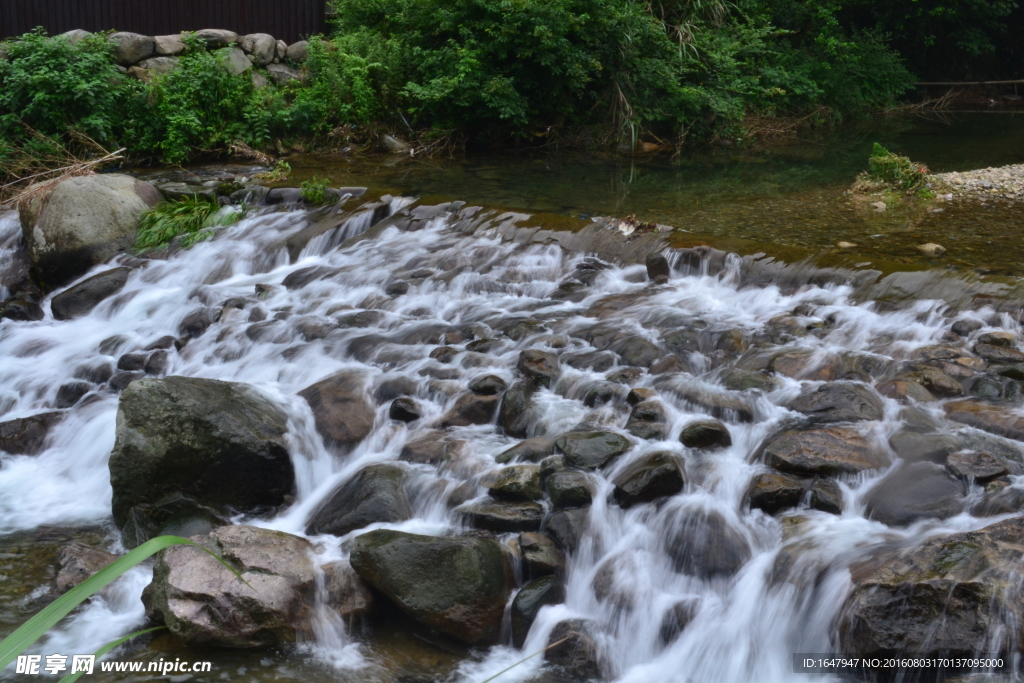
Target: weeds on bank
[190,218]
[314,191]
[278,174]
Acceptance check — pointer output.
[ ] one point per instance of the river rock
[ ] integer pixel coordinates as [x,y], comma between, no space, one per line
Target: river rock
[70,393]
[937,382]
[515,415]
[471,409]
[404,409]
[27,435]
[705,435]
[343,413]
[23,308]
[175,514]
[591,450]
[488,385]
[570,488]
[638,352]
[130,48]
[931,249]
[572,647]
[203,603]
[76,562]
[457,585]
[915,491]
[998,354]
[347,594]
[677,618]
[826,496]
[81,222]
[432,448]
[825,451]
[719,404]
[540,366]
[516,482]
[503,515]
[946,597]
[773,492]
[915,447]
[567,527]
[658,270]
[375,494]
[902,390]
[262,46]
[703,544]
[742,380]
[977,465]
[656,475]
[81,298]
[546,590]
[540,555]
[987,417]
[533,450]
[648,420]
[839,402]
[221,442]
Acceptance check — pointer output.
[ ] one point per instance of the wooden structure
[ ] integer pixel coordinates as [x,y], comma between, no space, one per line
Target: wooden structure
[287,20]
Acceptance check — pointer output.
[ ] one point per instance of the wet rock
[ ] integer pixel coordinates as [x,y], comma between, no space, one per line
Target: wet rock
[915,447]
[638,395]
[964,328]
[986,388]
[999,499]
[648,420]
[397,288]
[656,475]
[221,442]
[601,393]
[670,365]
[76,562]
[572,647]
[71,393]
[120,380]
[97,372]
[1003,339]
[946,597]
[550,465]
[625,376]
[533,450]
[81,298]
[658,270]
[826,451]
[156,363]
[471,409]
[683,341]
[503,516]
[773,492]
[540,555]
[567,527]
[404,409]
[430,449]
[196,322]
[457,585]
[986,417]
[81,222]
[590,450]
[488,385]
[598,361]
[21,309]
[742,380]
[902,390]
[516,482]
[706,435]
[827,497]
[515,415]
[547,590]
[203,603]
[1015,372]
[347,594]
[931,249]
[703,544]
[638,352]
[998,354]
[131,362]
[839,402]
[677,618]
[912,492]
[977,465]
[375,494]
[934,380]
[570,489]
[540,366]
[807,365]
[174,514]
[27,435]
[340,408]
[719,404]
[395,387]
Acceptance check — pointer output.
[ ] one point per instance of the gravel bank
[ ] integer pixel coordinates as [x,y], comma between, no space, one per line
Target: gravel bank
[1003,182]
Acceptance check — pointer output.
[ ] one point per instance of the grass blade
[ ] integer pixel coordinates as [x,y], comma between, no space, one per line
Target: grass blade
[524,659]
[71,678]
[33,629]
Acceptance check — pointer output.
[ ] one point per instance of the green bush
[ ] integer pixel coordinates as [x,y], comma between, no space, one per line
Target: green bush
[314,191]
[896,171]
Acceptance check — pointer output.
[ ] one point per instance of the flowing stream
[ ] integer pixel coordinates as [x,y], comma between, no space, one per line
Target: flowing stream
[746,626]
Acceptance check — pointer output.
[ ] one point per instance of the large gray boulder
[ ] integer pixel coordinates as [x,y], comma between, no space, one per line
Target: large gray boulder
[81,298]
[343,413]
[219,442]
[298,52]
[262,46]
[235,61]
[81,222]
[168,45]
[375,494]
[954,595]
[217,37]
[457,585]
[203,603]
[131,48]
[160,65]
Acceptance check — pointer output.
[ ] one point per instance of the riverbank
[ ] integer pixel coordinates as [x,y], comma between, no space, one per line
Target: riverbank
[1003,183]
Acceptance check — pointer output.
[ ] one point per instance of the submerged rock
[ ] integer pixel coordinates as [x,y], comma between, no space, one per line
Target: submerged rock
[27,435]
[203,603]
[572,648]
[912,492]
[220,442]
[705,545]
[375,494]
[947,597]
[839,402]
[458,585]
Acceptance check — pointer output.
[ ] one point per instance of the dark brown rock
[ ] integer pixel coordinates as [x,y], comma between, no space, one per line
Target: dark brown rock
[653,476]
[340,408]
[825,451]
[27,435]
[839,402]
[705,435]
[773,492]
[375,494]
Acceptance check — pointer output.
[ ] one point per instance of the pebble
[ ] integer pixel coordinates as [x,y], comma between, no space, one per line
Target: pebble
[879,206]
[845,245]
[1005,182]
[931,249]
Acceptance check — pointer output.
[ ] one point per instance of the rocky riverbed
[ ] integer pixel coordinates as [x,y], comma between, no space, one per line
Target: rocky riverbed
[1004,183]
[436,438]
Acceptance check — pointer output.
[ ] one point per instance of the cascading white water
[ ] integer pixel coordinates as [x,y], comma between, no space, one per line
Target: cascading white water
[746,628]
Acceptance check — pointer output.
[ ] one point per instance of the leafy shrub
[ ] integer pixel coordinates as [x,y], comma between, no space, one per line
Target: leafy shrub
[189,218]
[896,171]
[340,89]
[280,172]
[314,191]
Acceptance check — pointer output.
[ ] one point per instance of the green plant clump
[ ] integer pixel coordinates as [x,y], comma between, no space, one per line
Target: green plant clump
[314,191]
[896,171]
[190,218]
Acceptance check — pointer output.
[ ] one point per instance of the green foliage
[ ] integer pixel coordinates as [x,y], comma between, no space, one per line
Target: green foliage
[314,191]
[340,89]
[282,169]
[896,171]
[189,218]
[33,629]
